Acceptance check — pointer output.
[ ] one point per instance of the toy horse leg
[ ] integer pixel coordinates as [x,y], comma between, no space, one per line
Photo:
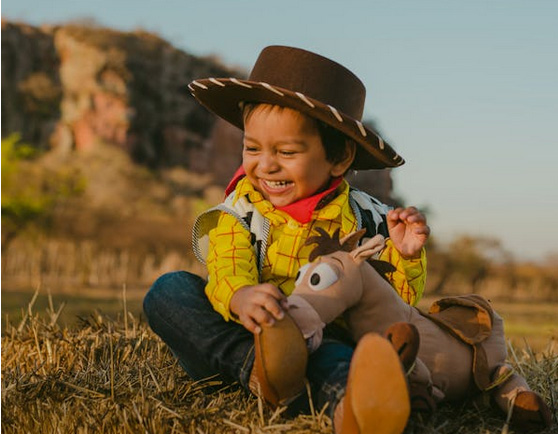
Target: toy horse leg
[529,411]
[405,339]
[424,395]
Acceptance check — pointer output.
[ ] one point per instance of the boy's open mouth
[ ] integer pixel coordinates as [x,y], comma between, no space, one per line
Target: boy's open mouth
[276,185]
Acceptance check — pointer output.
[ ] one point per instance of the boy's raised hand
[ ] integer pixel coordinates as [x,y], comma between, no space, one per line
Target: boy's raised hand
[258,304]
[408,231]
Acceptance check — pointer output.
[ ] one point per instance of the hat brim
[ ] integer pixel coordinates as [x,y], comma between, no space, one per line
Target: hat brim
[224,97]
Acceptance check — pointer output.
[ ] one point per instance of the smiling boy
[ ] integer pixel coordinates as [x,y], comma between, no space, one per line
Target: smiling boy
[301,115]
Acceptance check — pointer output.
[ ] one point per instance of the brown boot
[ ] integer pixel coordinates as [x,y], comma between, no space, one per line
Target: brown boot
[377,398]
[530,412]
[279,371]
[405,339]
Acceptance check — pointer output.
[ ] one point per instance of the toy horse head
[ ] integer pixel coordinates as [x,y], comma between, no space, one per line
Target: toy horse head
[335,278]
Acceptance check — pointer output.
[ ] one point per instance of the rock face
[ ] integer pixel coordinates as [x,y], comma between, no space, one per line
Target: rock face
[31,88]
[70,87]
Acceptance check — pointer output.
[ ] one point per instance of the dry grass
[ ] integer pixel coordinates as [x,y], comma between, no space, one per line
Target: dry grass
[114,375]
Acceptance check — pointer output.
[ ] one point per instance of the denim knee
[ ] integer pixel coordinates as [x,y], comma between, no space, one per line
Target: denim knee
[171,288]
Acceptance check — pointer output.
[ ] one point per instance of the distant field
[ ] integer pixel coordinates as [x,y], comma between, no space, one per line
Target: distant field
[535,324]
[108,302]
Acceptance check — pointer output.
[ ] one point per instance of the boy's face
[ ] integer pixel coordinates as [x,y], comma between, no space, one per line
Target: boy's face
[283,155]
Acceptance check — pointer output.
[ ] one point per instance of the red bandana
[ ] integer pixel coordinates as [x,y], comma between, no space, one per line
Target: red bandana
[300,210]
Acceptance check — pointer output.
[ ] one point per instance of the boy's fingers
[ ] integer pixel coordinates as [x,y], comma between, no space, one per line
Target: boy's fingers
[268,308]
[250,325]
[274,308]
[410,212]
[394,214]
[422,230]
[272,290]
[262,316]
[417,218]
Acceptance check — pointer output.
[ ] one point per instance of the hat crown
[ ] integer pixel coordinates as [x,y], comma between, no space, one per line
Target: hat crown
[313,75]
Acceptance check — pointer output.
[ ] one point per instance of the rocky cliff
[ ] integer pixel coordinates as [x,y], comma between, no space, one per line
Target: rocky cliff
[69,87]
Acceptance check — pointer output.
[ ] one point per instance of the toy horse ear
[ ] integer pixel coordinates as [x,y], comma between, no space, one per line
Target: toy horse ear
[351,240]
[370,248]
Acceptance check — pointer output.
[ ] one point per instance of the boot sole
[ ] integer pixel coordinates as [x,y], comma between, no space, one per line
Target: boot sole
[379,395]
[281,360]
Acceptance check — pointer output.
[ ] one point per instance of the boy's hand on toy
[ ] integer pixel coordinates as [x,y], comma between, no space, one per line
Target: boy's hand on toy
[258,305]
[408,231]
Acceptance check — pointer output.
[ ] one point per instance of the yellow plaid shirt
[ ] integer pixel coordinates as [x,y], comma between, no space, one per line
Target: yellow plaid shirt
[231,262]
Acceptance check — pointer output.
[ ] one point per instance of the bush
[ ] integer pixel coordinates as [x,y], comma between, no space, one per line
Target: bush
[31,192]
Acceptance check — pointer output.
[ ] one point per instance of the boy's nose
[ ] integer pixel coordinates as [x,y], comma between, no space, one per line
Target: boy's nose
[268,163]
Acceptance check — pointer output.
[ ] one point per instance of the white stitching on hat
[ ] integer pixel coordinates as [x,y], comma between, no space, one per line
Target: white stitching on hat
[191,88]
[217,82]
[335,113]
[203,86]
[381,142]
[236,81]
[361,128]
[271,88]
[396,157]
[306,100]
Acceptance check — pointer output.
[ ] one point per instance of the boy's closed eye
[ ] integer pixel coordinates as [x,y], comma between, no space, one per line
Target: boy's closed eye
[250,148]
[288,152]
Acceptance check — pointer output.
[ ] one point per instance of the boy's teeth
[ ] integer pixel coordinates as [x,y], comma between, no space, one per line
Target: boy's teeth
[277,183]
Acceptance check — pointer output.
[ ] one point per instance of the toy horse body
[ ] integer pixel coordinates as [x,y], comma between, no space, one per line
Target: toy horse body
[449,361]
[344,282]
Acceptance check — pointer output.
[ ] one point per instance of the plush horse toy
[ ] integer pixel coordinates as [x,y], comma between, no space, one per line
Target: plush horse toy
[462,347]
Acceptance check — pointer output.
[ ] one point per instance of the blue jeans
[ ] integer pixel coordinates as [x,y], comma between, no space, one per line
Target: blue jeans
[206,345]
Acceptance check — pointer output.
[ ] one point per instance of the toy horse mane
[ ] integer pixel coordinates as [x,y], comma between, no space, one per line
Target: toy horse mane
[327,244]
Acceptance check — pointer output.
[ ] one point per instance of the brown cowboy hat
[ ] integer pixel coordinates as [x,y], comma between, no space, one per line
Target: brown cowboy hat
[305,81]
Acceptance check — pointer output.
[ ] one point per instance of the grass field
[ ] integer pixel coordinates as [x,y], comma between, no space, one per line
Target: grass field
[533,325]
[107,372]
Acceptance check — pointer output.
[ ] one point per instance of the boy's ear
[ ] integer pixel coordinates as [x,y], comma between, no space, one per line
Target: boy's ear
[341,167]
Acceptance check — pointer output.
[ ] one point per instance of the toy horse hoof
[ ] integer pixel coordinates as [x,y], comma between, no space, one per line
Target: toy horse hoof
[377,398]
[530,412]
[279,371]
[405,339]
[422,400]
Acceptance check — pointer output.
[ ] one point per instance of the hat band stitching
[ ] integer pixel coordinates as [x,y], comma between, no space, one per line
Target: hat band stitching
[271,88]
[217,82]
[335,113]
[361,128]
[381,143]
[236,81]
[203,86]
[306,100]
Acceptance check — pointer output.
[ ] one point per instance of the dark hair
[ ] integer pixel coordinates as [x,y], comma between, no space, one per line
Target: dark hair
[334,141]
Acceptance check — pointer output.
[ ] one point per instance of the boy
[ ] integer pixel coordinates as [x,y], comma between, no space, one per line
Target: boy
[301,115]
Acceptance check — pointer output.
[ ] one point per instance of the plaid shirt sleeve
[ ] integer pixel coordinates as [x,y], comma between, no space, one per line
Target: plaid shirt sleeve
[231,263]
[409,278]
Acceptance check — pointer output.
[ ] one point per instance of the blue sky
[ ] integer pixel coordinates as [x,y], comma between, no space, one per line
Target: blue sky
[466,91]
